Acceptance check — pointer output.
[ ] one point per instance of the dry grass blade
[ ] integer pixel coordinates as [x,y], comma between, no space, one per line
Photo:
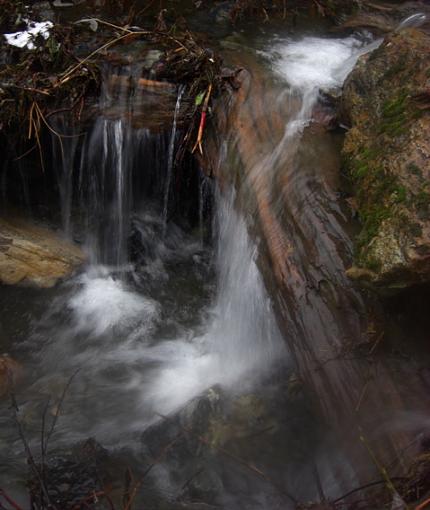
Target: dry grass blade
[58,409]
[67,76]
[10,501]
[423,505]
[30,458]
[137,486]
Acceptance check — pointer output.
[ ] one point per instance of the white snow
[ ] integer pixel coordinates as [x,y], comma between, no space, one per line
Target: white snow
[27,37]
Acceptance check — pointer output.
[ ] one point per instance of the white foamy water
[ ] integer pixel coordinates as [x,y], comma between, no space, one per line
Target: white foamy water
[311,65]
[242,341]
[139,355]
[103,303]
[315,62]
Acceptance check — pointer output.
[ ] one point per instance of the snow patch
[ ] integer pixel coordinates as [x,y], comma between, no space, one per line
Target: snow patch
[26,38]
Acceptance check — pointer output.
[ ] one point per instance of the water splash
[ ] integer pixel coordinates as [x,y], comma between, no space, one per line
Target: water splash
[139,356]
[242,341]
[104,303]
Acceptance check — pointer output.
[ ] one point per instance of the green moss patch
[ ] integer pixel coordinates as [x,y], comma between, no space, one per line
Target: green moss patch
[394,118]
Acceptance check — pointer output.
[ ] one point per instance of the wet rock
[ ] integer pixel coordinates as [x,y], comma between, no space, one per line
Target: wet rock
[222,12]
[417,480]
[387,152]
[43,11]
[382,19]
[179,445]
[361,274]
[10,372]
[295,386]
[32,255]
[378,22]
[192,422]
[201,445]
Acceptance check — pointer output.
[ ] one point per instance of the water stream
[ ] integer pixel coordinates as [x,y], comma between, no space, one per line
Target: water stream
[147,332]
[163,317]
[171,156]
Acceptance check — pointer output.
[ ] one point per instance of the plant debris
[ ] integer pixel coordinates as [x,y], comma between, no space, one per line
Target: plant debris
[63,72]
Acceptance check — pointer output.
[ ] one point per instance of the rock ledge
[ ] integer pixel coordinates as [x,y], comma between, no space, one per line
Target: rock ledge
[34,255]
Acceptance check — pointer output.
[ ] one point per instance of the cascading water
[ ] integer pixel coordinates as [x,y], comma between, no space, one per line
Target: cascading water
[242,341]
[171,154]
[306,243]
[104,180]
[143,323]
[312,65]
[204,195]
[65,141]
[151,329]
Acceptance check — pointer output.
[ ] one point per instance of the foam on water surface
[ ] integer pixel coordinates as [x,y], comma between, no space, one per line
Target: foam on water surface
[103,303]
[316,62]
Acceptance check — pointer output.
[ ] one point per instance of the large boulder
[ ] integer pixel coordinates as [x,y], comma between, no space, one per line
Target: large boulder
[386,101]
[33,255]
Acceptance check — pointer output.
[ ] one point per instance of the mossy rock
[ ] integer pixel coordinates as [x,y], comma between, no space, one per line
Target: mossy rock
[387,155]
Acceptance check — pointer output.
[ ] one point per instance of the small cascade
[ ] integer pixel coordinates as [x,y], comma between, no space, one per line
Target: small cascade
[105,174]
[171,154]
[105,195]
[241,343]
[313,65]
[244,333]
[65,142]
[205,192]
[119,166]
[160,318]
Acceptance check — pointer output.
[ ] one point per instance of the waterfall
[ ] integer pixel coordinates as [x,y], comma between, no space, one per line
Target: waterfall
[242,342]
[133,308]
[159,319]
[204,194]
[244,333]
[65,141]
[119,165]
[170,160]
[105,189]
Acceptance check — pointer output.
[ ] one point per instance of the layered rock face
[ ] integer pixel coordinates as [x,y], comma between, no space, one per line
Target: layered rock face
[32,255]
[386,100]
